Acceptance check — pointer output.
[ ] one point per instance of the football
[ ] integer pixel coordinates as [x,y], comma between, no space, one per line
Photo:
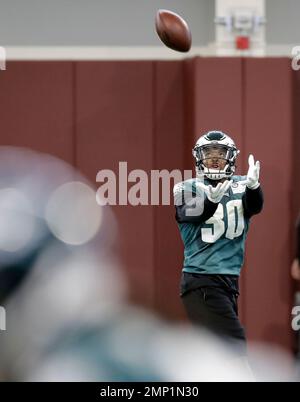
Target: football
[173,30]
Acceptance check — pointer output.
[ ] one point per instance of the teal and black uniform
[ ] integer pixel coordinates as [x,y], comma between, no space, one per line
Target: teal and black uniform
[214,237]
[214,242]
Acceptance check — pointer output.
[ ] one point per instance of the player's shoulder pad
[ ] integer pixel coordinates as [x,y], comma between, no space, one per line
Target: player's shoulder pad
[184,186]
[237,178]
[236,186]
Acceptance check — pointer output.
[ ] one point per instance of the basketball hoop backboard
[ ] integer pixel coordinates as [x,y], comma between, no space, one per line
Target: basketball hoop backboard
[240,27]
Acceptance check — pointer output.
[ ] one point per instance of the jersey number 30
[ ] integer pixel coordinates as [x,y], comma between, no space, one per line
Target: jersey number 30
[235,222]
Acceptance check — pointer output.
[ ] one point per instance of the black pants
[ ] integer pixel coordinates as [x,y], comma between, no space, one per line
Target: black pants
[215,308]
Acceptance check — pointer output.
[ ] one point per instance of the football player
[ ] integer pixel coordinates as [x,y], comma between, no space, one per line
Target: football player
[213,212]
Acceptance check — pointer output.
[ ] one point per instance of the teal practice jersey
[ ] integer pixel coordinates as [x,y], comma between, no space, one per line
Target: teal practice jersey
[216,245]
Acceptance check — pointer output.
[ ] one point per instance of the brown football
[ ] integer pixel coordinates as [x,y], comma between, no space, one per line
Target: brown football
[173,30]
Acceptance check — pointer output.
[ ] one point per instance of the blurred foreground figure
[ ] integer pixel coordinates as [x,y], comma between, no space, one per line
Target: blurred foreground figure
[67,318]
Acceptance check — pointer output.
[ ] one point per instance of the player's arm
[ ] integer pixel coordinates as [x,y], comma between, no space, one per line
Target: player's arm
[191,210]
[253,199]
[295,269]
[195,209]
[298,238]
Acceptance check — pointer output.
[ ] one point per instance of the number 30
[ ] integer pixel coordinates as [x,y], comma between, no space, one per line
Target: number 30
[235,222]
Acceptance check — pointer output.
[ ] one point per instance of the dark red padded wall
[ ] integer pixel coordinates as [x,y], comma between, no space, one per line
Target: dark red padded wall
[150,114]
[169,139]
[114,120]
[189,74]
[296,145]
[269,136]
[36,107]
[218,103]
[295,180]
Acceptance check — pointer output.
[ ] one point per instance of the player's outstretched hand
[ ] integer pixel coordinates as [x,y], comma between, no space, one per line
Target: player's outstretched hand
[252,181]
[215,194]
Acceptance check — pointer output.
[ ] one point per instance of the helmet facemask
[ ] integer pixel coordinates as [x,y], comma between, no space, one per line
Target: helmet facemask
[215,161]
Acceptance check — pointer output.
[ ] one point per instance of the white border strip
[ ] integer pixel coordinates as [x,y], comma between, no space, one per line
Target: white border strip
[134,53]
[96,53]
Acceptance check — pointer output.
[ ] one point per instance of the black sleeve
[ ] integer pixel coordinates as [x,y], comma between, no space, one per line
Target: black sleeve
[253,201]
[209,209]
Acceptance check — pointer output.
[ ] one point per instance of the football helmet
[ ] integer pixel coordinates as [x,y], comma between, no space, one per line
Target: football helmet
[228,152]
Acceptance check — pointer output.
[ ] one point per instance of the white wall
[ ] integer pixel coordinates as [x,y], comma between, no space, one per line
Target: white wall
[283,22]
[97,22]
[124,22]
